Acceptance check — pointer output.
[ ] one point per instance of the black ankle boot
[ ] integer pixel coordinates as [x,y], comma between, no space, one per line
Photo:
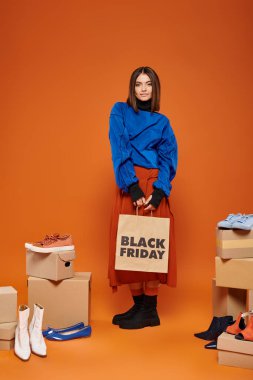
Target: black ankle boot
[216,328]
[138,300]
[145,316]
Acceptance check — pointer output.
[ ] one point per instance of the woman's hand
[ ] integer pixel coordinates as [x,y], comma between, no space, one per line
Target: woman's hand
[150,206]
[154,199]
[140,202]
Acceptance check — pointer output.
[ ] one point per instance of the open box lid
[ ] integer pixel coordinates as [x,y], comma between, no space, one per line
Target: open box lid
[67,255]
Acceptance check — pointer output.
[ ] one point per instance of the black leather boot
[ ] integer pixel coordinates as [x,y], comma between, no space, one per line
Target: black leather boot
[217,326]
[138,300]
[145,316]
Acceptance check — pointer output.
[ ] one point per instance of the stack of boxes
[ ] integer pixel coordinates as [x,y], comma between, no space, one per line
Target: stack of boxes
[52,283]
[8,317]
[232,291]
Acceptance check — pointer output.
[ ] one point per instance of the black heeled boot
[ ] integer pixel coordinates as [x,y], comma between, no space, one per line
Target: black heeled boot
[138,300]
[216,328]
[145,316]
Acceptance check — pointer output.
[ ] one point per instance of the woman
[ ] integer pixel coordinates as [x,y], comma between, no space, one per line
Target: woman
[144,154]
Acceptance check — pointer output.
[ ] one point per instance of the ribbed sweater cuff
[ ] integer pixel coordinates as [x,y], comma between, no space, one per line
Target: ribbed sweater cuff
[135,192]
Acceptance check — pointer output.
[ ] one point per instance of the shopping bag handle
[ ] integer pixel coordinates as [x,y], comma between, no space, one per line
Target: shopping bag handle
[138,213]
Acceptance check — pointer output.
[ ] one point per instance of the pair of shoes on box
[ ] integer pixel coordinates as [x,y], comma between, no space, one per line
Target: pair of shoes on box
[52,243]
[237,221]
[79,330]
[29,339]
[217,326]
[240,329]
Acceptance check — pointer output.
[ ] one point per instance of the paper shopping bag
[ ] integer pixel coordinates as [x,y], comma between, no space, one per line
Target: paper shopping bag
[142,244]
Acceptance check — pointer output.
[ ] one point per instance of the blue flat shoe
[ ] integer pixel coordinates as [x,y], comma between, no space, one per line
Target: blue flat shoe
[245,223]
[78,325]
[229,221]
[79,333]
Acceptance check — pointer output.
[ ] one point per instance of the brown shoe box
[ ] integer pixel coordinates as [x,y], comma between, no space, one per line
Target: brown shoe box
[250,300]
[234,244]
[234,359]
[228,301]
[227,342]
[65,302]
[234,352]
[8,304]
[52,266]
[6,345]
[234,273]
[7,330]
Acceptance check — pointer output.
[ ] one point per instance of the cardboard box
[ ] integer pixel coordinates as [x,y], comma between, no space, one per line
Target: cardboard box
[65,302]
[234,273]
[234,359]
[8,304]
[234,352]
[227,342]
[52,266]
[250,300]
[7,344]
[234,244]
[7,330]
[228,301]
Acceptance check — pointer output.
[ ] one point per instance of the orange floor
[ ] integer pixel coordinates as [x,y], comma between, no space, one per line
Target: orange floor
[170,350]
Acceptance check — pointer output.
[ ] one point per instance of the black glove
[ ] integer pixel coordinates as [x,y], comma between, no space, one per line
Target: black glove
[157,196]
[135,192]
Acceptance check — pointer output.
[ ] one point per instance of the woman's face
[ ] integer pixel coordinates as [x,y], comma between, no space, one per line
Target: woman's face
[143,87]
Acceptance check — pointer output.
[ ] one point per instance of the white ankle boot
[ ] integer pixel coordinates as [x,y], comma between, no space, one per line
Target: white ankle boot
[22,345]
[38,344]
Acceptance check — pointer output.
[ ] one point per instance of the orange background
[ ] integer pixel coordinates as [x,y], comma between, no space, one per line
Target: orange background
[64,64]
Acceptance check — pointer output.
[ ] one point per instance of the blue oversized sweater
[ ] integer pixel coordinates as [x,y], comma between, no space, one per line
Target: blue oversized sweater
[144,139]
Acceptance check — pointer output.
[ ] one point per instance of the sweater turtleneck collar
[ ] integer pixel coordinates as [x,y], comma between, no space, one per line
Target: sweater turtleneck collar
[144,105]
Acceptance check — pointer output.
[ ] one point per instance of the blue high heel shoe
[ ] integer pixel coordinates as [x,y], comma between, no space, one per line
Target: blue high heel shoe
[78,325]
[79,333]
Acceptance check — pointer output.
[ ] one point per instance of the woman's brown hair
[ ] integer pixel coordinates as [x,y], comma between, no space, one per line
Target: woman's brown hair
[156,88]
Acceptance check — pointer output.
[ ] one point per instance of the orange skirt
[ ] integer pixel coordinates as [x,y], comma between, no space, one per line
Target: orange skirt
[124,205]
